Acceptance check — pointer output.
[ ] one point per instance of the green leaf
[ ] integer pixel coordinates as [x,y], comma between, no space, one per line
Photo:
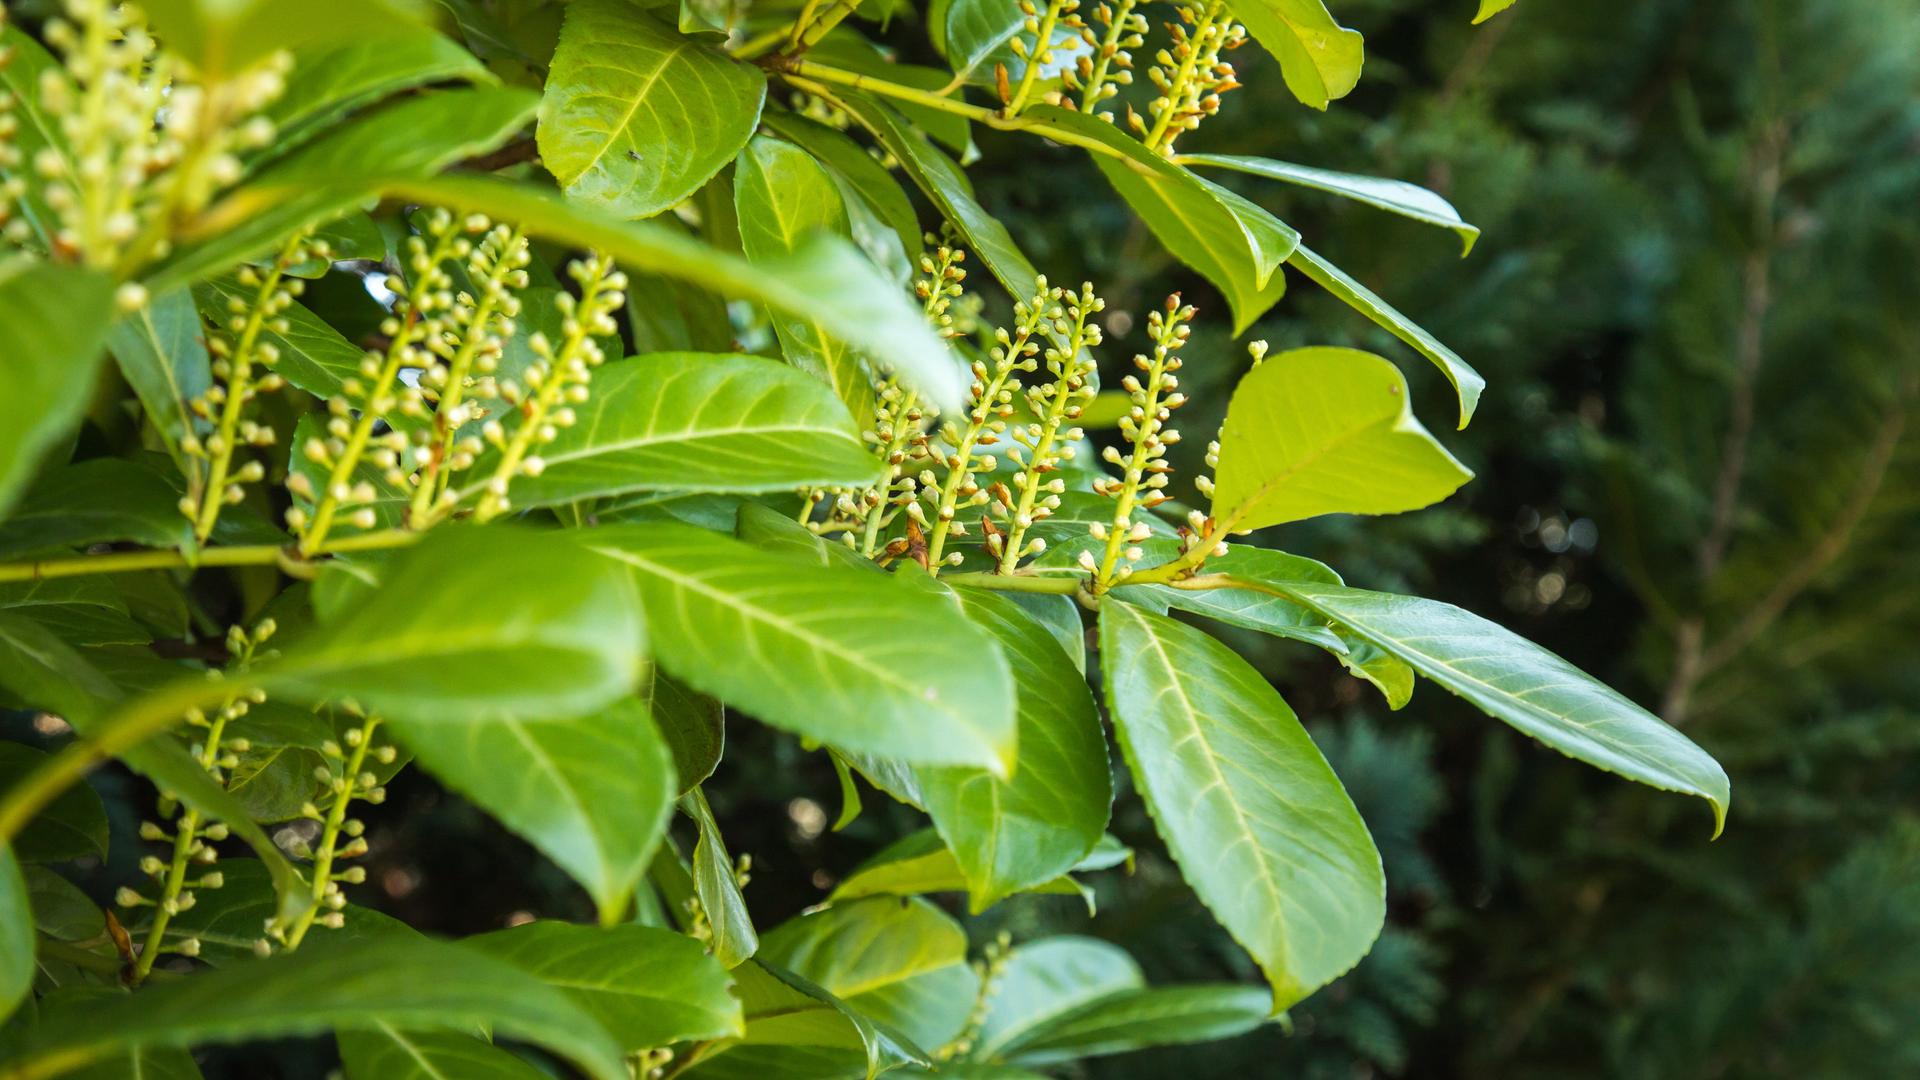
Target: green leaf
[313,355]
[103,500]
[699,422]
[827,279]
[331,81]
[1024,831]
[1467,382]
[222,38]
[26,81]
[16,933]
[782,197]
[162,353]
[1393,196]
[395,981]
[413,137]
[593,792]
[145,1063]
[786,1010]
[1490,8]
[1050,978]
[1228,240]
[850,163]
[60,910]
[1280,617]
[647,987]
[921,863]
[623,98]
[832,653]
[770,530]
[690,724]
[1319,58]
[82,610]
[948,189]
[72,825]
[53,326]
[904,964]
[733,936]
[1258,822]
[1136,1019]
[384,1052]
[1523,684]
[1326,431]
[474,624]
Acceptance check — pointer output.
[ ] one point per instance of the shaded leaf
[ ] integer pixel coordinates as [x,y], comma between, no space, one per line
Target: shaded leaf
[733,936]
[903,964]
[1044,980]
[1136,1019]
[72,825]
[383,1052]
[690,724]
[53,326]
[162,353]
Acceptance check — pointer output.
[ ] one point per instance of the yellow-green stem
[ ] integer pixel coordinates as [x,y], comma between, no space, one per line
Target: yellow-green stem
[1157,137]
[1136,467]
[1109,47]
[186,831]
[122,562]
[213,493]
[1043,38]
[344,787]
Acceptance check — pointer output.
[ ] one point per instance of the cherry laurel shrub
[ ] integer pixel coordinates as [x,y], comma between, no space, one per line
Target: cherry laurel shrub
[538,525]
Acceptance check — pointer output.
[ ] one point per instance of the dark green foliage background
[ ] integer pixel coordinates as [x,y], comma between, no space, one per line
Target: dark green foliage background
[1545,919]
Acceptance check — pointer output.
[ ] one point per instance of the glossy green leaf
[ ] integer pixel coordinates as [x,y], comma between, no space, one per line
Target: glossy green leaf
[1319,58]
[472,624]
[60,910]
[1393,196]
[770,530]
[1136,1019]
[73,825]
[827,279]
[851,164]
[784,1010]
[783,196]
[699,422]
[622,97]
[16,932]
[1467,382]
[921,863]
[413,137]
[329,82]
[103,500]
[902,963]
[162,353]
[690,724]
[384,1052]
[1228,240]
[1326,431]
[395,981]
[593,792]
[732,934]
[984,237]
[646,986]
[1523,684]
[144,1063]
[1020,832]
[832,653]
[53,326]
[1258,822]
[224,37]
[82,610]
[1281,617]
[1044,980]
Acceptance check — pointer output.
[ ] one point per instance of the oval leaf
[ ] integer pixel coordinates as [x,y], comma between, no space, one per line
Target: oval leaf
[1523,684]
[833,653]
[1257,820]
[700,422]
[592,792]
[1319,58]
[53,325]
[622,97]
[384,1052]
[1326,431]
[469,624]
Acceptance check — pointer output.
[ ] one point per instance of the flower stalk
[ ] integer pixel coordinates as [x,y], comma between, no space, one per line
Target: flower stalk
[1143,484]
[1048,442]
